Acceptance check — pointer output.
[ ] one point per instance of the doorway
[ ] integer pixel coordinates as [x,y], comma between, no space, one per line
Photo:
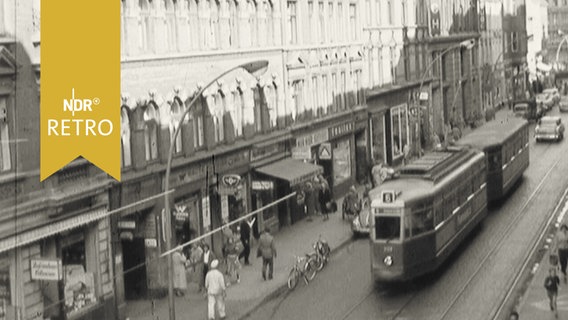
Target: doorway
[135,278]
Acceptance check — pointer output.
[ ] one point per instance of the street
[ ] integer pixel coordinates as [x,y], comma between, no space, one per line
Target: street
[472,283]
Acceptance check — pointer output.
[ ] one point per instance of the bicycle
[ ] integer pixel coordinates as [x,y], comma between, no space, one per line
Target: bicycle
[321,254]
[305,267]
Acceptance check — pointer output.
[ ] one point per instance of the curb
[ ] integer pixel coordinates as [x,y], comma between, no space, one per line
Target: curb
[284,287]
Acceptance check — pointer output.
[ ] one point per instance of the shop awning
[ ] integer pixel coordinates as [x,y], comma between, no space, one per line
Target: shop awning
[27,237]
[291,170]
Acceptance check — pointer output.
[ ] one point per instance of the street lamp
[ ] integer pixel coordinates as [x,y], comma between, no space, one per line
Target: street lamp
[564,39]
[466,44]
[256,68]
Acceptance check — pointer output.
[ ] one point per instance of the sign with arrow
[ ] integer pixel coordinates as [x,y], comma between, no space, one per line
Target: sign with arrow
[325,151]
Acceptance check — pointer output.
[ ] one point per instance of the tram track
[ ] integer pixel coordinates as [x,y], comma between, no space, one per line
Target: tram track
[504,233]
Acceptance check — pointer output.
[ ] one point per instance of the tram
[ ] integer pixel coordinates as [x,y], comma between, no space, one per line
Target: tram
[506,146]
[421,217]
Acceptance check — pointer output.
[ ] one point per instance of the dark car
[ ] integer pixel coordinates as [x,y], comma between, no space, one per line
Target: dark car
[528,109]
[549,128]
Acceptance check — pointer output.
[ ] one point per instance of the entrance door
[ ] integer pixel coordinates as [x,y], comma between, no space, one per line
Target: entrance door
[361,167]
[133,257]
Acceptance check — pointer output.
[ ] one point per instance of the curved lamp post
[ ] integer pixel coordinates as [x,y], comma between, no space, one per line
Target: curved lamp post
[256,68]
[467,44]
[564,39]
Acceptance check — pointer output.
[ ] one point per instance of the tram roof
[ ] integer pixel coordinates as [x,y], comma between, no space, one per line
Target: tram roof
[410,189]
[493,133]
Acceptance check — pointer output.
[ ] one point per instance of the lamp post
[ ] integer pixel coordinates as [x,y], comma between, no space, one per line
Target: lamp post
[256,68]
[467,44]
[564,39]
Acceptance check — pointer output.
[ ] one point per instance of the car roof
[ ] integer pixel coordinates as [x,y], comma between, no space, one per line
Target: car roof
[550,90]
[550,118]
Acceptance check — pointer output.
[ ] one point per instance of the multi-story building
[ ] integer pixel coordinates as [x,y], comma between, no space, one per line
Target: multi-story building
[537,29]
[491,53]
[396,36]
[515,48]
[55,234]
[455,71]
[557,31]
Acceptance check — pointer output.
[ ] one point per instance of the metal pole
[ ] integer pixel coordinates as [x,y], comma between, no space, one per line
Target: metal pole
[251,67]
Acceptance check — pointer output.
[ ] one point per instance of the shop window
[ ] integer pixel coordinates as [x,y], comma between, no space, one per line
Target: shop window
[339,22]
[343,92]
[321,29]
[215,37]
[341,162]
[78,277]
[399,134]
[298,97]
[151,121]
[253,23]
[238,112]
[125,138]
[176,113]
[170,34]
[334,93]
[217,109]
[292,22]
[353,21]
[330,20]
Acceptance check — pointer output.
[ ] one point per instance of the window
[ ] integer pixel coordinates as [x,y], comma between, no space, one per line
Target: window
[298,97]
[311,35]
[330,22]
[196,116]
[339,23]
[326,93]
[125,138]
[342,92]
[215,37]
[217,110]
[378,11]
[151,121]
[253,23]
[514,41]
[176,113]
[171,38]
[353,21]
[6,162]
[393,64]
[238,112]
[143,25]
[390,12]
[369,12]
[270,23]
[404,18]
[387,228]
[292,23]
[334,93]
[258,105]
[399,134]
[315,92]
[321,29]
[233,24]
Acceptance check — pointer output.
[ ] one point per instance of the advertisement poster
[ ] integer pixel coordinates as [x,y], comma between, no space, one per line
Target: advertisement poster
[133,132]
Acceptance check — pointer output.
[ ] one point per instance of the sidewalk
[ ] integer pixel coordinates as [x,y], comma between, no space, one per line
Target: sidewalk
[534,304]
[252,291]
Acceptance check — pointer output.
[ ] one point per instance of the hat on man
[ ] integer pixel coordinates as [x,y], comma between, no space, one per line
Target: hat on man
[214,264]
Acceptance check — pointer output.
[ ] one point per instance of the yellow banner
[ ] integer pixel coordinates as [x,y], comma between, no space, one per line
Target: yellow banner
[80,84]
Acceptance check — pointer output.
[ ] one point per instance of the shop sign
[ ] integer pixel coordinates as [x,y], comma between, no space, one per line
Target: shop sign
[127,224]
[199,170]
[151,243]
[180,213]
[325,151]
[262,185]
[314,138]
[46,269]
[206,212]
[423,96]
[340,130]
[265,152]
[231,180]
[301,153]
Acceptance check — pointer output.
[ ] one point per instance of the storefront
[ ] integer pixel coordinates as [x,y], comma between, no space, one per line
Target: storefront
[395,127]
[263,189]
[287,176]
[65,267]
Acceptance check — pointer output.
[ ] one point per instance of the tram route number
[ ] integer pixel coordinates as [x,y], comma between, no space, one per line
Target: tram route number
[387,249]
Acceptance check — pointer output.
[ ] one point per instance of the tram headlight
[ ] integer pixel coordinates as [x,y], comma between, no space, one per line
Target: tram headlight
[388,261]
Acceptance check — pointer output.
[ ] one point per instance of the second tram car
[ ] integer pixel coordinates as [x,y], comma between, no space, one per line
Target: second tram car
[419,218]
[506,146]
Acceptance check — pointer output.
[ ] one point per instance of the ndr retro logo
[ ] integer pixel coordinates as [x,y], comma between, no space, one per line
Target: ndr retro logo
[79,127]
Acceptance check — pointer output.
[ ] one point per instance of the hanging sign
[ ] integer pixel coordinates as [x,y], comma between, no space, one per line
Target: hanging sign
[231,180]
[262,185]
[46,269]
[325,151]
[301,153]
[180,213]
[435,19]
[127,224]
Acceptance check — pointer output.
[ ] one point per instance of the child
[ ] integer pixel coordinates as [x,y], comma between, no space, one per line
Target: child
[551,284]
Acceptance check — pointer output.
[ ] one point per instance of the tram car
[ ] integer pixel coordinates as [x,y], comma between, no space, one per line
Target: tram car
[420,218]
[506,146]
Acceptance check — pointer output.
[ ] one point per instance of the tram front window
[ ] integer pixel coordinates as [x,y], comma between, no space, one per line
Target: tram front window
[387,228]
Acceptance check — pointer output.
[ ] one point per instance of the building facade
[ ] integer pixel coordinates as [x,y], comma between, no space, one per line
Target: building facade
[557,31]
[515,41]
[537,29]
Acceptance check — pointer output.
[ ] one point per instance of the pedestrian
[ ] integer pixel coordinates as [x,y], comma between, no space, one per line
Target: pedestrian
[208,257]
[375,173]
[514,315]
[317,188]
[325,199]
[232,257]
[267,251]
[562,247]
[245,229]
[196,259]
[180,279]
[551,284]
[215,285]
[309,200]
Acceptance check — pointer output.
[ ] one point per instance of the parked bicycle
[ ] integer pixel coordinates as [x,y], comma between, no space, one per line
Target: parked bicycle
[322,253]
[305,268]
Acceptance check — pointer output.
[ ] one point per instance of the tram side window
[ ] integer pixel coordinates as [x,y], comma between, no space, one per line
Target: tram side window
[421,221]
[387,228]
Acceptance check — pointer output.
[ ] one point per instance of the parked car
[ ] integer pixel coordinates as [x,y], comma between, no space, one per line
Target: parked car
[553,93]
[563,106]
[528,109]
[549,128]
[546,100]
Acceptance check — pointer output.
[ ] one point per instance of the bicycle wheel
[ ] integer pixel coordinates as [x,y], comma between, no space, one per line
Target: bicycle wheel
[311,268]
[293,278]
[320,262]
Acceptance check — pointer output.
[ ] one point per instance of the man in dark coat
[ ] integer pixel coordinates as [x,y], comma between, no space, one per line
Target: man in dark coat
[245,239]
